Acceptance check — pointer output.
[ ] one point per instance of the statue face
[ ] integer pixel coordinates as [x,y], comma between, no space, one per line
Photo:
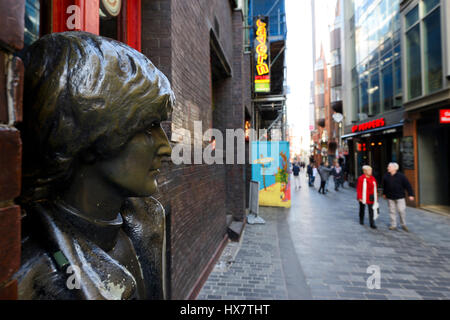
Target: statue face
[134,169]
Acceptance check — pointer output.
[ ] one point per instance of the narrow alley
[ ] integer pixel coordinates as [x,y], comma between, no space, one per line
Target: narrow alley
[318,250]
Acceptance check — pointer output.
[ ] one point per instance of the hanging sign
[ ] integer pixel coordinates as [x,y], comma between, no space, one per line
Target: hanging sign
[444,116]
[262,55]
[110,8]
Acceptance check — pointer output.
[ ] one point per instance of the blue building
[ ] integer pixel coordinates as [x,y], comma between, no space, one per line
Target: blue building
[276,12]
[372,85]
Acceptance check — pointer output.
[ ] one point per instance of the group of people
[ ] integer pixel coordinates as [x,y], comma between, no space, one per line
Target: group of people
[394,185]
[324,172]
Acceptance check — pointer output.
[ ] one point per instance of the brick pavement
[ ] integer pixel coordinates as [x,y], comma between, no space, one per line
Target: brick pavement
[257,270]
[332,253]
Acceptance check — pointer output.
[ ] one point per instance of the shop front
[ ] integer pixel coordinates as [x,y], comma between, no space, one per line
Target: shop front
[372,143]
[433,158]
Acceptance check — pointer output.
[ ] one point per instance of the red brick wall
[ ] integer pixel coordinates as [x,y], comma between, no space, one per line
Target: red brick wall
[11,76]
[176,37]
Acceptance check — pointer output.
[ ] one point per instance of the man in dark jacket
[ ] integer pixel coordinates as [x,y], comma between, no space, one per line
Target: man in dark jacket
[296,173]
[309,172]
[324,173]
[338,176]
[394,186]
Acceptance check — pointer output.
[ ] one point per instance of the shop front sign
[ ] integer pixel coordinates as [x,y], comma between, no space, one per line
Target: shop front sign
[444,116]
[378,123]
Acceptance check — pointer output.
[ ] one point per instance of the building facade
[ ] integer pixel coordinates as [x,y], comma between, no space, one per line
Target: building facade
[335,150]
[425,27]
[327,94]
[372,86]
[269,106]
[199,46]
[322,110]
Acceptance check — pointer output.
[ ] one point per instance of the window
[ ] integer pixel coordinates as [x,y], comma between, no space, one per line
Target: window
[364,88]
[32,17]
[432,51]
[377,35]
[336,94]
[374,92]
[412,17]
[423,49]
[397,71]
[429,5]
[387,94]
[413,62]
[355,103]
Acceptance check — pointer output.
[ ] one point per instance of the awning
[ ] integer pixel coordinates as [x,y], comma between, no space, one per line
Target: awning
[372,130]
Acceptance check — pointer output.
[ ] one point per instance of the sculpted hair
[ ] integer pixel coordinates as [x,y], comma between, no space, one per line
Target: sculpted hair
[84,93]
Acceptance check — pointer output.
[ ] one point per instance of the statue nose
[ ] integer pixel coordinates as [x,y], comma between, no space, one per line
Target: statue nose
[162,142]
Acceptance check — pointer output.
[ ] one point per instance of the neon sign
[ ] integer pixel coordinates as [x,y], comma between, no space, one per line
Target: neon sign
[369,125]
[262,69]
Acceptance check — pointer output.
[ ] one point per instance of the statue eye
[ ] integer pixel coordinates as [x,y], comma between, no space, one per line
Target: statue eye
[154,125]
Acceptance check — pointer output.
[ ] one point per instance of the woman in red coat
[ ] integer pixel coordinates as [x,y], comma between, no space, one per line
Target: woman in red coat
[366,191]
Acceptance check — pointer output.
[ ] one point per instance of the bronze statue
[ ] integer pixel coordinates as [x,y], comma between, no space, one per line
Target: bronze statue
[93,145]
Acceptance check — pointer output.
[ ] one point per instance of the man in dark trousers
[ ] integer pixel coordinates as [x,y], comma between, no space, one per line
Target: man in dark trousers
[338,174]
[309,172]
[324,173]
[296,172]
[394,186]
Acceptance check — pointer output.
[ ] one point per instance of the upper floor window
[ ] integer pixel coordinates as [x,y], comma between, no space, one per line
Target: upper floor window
[32,21]
[423,43]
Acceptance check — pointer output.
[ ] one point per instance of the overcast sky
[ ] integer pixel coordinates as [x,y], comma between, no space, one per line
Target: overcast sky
[299,58]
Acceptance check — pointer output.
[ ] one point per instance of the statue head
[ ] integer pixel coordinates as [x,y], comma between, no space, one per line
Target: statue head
[92,100]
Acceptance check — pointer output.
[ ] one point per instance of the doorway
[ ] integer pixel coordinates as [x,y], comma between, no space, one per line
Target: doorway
[433,150]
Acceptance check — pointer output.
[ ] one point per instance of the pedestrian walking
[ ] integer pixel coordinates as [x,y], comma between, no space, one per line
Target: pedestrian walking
[394,186]
[324,173]
[328,179]
[366,193]
[309,173]
[315,173]
[296,173]
[338,175]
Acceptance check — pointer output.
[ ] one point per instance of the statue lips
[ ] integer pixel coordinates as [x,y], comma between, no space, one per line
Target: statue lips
[154,171]
[156,165]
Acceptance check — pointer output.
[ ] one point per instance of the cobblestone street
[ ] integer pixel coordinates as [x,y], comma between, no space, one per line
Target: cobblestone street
[317,250]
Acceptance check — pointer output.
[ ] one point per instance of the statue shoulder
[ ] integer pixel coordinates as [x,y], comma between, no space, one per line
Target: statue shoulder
[38,277]
[143,210]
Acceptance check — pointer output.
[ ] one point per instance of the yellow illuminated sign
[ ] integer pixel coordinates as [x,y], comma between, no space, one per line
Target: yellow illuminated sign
[262,77]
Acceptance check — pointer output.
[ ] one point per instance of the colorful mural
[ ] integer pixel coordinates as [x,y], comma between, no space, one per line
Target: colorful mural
[270,166]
